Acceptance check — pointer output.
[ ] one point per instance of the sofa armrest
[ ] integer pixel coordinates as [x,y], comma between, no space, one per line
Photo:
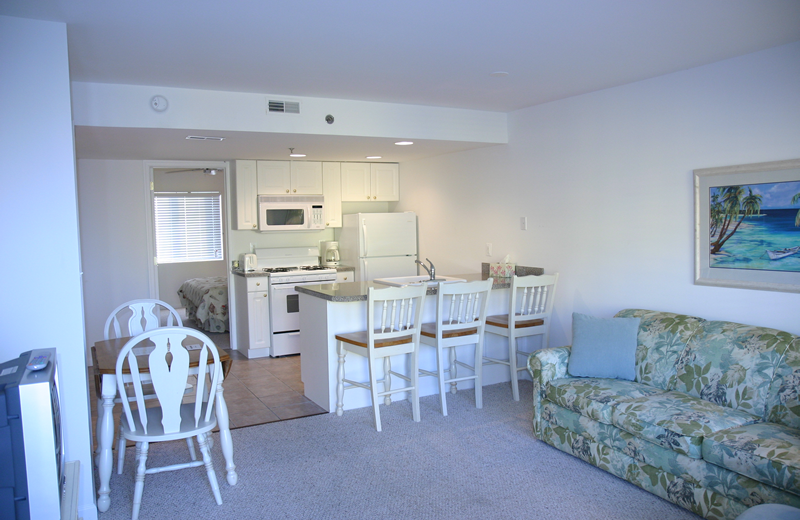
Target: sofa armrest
[545,365]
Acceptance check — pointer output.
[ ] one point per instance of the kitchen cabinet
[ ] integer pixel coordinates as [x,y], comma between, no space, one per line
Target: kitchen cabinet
[332,191]
[289,177]
[244,195]
[252,316]
[345,276]
[370,181]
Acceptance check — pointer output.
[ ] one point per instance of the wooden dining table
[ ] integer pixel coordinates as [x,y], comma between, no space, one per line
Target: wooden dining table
[104,360]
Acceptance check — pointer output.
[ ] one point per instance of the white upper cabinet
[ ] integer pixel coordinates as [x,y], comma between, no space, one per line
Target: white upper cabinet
[306,178]
[274,177]
[374,182]
[385,181]
[245,194]
[289,178]
[332,191]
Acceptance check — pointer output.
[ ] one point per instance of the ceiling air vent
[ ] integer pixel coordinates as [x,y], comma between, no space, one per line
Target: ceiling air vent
[283,107]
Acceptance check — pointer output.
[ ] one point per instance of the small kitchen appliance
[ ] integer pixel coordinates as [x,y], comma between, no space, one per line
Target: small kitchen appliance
[288,268]
[329,253]
[248,262]
[290,213]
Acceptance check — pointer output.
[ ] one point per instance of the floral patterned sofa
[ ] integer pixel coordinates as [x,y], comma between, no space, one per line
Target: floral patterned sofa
[711,422]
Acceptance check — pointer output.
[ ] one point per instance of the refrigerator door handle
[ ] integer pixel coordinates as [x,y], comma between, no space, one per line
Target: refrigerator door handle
[364,232]
[366,270]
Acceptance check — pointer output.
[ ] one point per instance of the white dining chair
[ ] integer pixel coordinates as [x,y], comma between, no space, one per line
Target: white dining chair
[393,329]
[460,321]
[131,319]
[172,419]
[530,308]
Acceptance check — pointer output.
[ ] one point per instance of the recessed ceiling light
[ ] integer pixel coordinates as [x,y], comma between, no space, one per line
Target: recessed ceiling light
[404,143]
[499,74]
[292,154]
[374,157]
[204,138]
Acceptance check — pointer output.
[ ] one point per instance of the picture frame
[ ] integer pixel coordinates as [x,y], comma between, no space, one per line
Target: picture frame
[757,202]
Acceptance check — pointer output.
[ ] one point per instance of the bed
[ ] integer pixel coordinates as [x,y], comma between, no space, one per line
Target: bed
[206,302]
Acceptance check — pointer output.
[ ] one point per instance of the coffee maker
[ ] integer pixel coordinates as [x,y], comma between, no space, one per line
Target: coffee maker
[329,253]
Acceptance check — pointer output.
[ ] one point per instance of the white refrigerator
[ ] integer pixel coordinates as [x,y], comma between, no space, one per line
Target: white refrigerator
[379,245]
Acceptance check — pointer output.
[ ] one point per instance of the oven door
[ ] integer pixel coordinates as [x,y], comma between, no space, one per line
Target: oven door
[284,310]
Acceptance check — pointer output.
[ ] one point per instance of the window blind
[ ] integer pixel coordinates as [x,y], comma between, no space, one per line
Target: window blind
[188,227]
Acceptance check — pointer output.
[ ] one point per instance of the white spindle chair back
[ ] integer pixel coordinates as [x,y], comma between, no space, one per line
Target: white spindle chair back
[532,297]
[396,312]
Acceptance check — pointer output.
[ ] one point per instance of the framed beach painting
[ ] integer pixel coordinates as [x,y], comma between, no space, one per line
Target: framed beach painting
[747,226]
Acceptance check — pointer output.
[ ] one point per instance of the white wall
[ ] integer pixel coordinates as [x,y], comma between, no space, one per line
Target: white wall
[39,212]
[127,106]
[113,238]
[605,180]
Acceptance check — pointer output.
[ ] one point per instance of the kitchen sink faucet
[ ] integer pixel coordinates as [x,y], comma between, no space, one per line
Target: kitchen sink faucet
[431,271]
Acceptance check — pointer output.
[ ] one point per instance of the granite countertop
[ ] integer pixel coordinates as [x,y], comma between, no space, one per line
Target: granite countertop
[255,274]
[357,291]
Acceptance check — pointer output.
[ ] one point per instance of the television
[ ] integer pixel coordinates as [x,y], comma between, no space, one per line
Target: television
[31,446]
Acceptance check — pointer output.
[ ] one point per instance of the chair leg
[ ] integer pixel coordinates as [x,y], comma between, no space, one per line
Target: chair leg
[340,379]
[190,445]
[120,452]
[373,388]
[453,370]
[212,477]
[440,369]
[141,450]
[415,385]
[387,380]
[512,361]
[479,373]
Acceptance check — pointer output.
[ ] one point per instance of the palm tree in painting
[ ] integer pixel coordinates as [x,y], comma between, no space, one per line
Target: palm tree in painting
[715,219]
[734,206]
[795,200]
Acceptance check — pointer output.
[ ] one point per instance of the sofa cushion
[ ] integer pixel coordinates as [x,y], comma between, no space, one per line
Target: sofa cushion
[732,365]
[767,452]
[603,347]
[662,337]
[676,420]
[783,400]
[595,397]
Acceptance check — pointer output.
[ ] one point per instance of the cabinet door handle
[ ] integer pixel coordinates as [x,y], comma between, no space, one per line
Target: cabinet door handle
[254,226]
[258,283]
[287,191]
[294,191]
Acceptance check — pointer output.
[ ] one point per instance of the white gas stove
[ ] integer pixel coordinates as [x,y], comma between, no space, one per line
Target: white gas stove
[287,268]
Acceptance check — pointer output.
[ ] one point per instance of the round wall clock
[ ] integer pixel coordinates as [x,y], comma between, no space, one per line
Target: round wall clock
[159,103]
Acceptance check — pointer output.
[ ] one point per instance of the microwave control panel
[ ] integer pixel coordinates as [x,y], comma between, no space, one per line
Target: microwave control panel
[317,217]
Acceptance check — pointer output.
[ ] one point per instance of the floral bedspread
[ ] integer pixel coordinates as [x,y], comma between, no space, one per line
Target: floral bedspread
[206,302]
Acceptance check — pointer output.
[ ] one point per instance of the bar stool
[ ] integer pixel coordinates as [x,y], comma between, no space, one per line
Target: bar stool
[395,331]
[460,320]
[529,310]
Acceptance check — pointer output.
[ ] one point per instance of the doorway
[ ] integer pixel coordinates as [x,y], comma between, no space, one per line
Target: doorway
[187,240]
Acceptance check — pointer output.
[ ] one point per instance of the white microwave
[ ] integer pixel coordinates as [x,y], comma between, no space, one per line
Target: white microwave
[290,213]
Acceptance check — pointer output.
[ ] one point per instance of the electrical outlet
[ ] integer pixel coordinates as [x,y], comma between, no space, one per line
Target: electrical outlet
[488,249]
[523,223]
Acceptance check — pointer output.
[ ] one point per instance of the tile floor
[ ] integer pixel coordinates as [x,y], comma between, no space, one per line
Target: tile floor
[257,391]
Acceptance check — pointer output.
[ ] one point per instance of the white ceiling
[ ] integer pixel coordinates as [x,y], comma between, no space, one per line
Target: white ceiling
[426,52]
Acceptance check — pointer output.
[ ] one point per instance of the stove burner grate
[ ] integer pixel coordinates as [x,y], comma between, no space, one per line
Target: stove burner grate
[313,268]
[276,269]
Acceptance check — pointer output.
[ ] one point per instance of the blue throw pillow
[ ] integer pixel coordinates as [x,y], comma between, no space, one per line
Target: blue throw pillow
[603,347]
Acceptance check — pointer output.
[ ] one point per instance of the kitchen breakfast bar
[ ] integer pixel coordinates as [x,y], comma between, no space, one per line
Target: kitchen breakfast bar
[330,309]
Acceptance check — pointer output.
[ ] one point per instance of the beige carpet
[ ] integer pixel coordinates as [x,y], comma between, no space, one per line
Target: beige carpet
[473,464]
